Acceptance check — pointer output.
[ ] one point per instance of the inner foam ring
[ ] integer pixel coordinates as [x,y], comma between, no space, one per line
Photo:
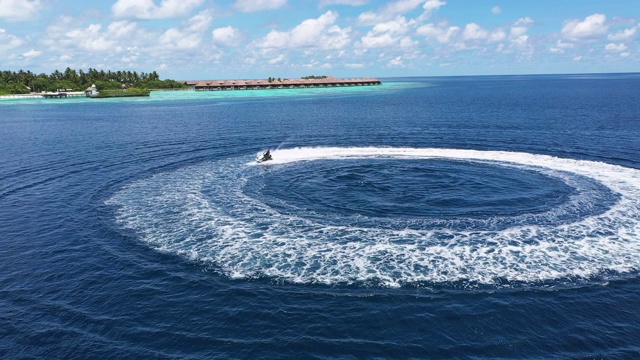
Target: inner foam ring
[587,192]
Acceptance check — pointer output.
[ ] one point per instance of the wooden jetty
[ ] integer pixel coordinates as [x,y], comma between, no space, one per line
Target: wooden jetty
[56,95]
[218,85]
[118,93]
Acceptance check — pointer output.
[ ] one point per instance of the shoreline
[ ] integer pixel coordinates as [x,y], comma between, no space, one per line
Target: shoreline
[225,85]
[228,95]
[44,95]
[217,85]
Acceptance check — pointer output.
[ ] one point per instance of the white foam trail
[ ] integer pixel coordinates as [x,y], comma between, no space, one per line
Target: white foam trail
[202,213]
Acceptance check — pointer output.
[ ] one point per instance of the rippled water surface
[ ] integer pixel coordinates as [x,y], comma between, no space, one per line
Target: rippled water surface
[488,217]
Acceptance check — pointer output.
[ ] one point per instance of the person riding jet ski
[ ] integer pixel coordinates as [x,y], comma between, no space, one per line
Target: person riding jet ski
[265,156]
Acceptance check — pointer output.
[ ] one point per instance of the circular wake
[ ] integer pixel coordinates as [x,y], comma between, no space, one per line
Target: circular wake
[582,222]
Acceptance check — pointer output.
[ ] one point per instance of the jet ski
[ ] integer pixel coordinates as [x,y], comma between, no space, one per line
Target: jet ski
[265,156]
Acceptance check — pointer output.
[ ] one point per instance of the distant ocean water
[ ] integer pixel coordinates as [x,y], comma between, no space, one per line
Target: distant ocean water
[463,217]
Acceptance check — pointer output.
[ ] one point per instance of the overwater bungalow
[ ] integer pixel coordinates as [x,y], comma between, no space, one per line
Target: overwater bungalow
[216,85]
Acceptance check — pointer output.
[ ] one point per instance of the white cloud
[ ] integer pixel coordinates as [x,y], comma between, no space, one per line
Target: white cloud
[496,10]
[382,40]
[258,5]
[147,9]
[616,47]
[91,39]
[388,34]
[311,33]
[398,26]
[512,40]
[121,29]
[622,34]
[189,36]
[591,27]
[442,34]
[316,65]
[32,53]
[521,42]
[561,46]
[429,7]
[19,10]
[123,41]
[343,2]
[474,31]
[8,41]
[336,54]
[518,38]
[117,42]
[389,11]
[200,22]
[402,6]
[354,66]
[311,65]
[336,38]
[126,44]
[521,26]
[277,59]
[407,42]
[129,58]
[497,35]
[432,5]
[396,62]
[178,39]
[226,36]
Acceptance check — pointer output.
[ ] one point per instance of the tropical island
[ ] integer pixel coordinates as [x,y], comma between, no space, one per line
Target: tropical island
[26,82]
[101,84]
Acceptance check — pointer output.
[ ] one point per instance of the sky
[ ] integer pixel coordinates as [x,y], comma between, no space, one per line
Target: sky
[256,39]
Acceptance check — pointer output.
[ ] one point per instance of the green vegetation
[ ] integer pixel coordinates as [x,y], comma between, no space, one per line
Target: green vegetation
[272,79]
[13,88]
[314,77]
[23,82]
[123,92]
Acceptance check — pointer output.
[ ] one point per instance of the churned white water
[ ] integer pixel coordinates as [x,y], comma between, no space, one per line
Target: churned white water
[204,214]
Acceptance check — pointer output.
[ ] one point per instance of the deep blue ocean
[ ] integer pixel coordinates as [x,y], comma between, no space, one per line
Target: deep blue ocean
[426,218]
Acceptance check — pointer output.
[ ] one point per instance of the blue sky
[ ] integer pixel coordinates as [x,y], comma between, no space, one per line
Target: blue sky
[245,39]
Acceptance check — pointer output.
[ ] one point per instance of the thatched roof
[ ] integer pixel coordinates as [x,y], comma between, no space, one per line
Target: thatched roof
[289,82]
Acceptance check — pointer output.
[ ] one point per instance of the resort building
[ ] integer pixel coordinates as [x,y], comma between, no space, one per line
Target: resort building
[214,85]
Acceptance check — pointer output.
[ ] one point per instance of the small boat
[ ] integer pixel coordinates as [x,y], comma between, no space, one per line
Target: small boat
[264,156]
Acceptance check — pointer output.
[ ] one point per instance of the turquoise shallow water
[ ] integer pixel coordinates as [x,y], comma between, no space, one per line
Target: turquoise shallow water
[170,96]
[474,217]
